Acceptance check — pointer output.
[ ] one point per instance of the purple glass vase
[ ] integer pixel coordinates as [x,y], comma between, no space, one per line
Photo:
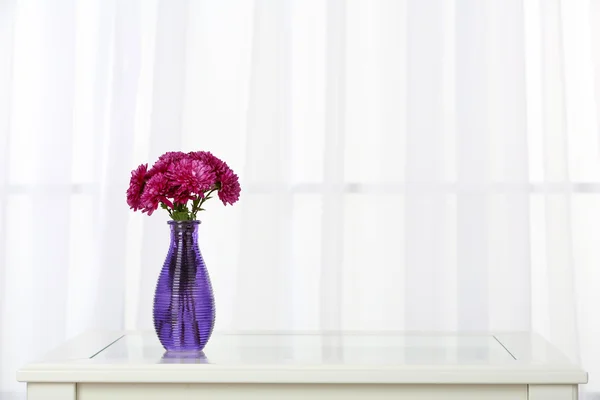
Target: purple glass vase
[184,305]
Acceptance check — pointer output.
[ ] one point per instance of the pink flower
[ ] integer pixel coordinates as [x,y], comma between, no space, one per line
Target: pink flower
[136,186]
[155,192]
[218,166]
[165,162]
[229,191]
[230,187]
[181,196]
[192,176]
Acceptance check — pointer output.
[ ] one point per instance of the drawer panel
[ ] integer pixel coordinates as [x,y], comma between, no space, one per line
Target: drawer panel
[222,391]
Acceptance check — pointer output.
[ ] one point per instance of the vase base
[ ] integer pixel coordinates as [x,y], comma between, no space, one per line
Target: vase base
[184,356]
[179,352]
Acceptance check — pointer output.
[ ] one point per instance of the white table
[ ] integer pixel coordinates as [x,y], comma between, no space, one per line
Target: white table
[377,366]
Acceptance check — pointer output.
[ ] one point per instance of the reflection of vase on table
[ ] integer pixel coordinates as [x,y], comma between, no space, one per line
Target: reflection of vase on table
[174,357]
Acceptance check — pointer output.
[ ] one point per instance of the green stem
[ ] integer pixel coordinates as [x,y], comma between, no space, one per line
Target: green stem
[195,207]
[175,212]
[206,197]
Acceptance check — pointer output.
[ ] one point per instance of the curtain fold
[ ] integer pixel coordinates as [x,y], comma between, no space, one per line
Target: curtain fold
[562,328]
[426,135]
[594,16]
[332,214]
[405,165]
[7,30]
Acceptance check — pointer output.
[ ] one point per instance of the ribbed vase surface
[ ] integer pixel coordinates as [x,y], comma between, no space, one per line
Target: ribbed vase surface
[184,304]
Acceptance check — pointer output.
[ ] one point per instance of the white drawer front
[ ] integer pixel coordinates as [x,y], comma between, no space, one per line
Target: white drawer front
[121,391]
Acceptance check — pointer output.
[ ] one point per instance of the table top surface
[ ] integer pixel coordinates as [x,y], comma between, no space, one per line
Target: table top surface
[503,358]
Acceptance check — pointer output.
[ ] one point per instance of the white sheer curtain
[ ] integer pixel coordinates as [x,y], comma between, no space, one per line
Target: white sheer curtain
[414,164]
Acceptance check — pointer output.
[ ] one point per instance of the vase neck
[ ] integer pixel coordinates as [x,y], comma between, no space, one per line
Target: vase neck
[179,228]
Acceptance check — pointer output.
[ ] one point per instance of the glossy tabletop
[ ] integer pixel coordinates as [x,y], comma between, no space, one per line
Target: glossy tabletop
[310,358]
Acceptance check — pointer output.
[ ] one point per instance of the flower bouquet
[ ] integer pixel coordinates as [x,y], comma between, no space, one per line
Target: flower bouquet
[181,183]
[177,179]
